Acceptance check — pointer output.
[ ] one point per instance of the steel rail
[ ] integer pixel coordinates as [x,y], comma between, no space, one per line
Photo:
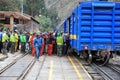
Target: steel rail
[12,63]
[115,69]
[21,77]
[41,67]
[102,72]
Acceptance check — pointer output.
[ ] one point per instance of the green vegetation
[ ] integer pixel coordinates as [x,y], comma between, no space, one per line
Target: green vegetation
[48,18]
[1,25]
[45,22]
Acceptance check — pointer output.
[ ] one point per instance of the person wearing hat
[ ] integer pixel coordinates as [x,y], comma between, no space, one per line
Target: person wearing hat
[5,39]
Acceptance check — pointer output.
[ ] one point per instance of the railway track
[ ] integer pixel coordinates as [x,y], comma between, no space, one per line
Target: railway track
[29,71]
[18,68]
[12,63]
[40,68]
[25,72]
[92,72]
[107,72]
[115,68]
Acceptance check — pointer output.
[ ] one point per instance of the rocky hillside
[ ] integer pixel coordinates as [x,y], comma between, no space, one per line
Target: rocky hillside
[63,7]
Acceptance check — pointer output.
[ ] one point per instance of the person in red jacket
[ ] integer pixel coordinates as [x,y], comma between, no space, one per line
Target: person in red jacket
[32,43]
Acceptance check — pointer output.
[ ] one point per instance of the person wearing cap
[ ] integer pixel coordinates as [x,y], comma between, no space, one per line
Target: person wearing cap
[5,39]
[16,39]
[12,41]
[23,42]
[59,41]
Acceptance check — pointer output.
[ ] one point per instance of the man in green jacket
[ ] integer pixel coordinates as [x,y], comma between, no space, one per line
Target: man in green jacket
[5,39]
[59,41]
[23,42]
[12,41]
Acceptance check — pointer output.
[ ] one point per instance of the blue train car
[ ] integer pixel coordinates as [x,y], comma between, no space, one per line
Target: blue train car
[94,29]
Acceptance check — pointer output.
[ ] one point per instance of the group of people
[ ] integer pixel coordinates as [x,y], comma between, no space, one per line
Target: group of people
[9,41]
[47,42]
[50,43]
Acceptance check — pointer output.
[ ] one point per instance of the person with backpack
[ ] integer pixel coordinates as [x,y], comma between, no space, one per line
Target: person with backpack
[38,45]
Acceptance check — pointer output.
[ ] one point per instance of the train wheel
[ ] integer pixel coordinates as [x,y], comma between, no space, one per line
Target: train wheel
[105,57]
[89,57]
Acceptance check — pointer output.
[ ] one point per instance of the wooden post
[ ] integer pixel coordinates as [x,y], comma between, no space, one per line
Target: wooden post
[11,22]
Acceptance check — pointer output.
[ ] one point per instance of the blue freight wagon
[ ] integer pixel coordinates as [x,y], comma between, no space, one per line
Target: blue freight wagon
[94,29]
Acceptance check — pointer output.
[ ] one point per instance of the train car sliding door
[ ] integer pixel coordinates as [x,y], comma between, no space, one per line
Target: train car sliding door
[73,27]
[71,31]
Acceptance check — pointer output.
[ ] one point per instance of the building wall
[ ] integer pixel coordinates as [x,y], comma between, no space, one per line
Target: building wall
[31,26]
[35,26]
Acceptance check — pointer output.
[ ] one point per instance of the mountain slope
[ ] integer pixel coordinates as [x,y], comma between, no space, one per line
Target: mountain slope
[63,7]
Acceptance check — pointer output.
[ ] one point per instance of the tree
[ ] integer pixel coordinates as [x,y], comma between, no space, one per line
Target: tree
[53,15]
[34,7]
[45,22]
[49,18]
[8,5]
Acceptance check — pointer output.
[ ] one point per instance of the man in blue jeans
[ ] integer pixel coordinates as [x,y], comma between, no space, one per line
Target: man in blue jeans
[38,44]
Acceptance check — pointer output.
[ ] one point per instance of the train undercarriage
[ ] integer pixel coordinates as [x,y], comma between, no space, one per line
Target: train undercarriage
[100,56]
